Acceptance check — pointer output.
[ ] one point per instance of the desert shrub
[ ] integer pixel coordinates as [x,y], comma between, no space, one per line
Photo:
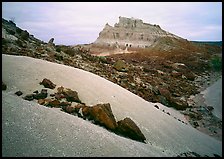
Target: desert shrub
[5,41]
[25,35]
[216,63]
[18,30]
[58,49]
[19,43]
[103,59]
[69,51]
[10,31]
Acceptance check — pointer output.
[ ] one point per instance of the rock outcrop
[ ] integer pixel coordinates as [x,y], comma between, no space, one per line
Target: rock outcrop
[131,32]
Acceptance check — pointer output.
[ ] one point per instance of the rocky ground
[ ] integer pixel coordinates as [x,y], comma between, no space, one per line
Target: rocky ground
[168,76]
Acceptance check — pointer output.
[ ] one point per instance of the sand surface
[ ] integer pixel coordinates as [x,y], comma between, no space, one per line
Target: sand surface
[29,129]
[213,97]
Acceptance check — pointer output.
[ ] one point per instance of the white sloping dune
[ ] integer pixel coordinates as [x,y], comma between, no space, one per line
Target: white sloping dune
[30,129]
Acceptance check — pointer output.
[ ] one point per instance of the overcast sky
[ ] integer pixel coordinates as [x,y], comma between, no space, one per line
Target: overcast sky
[80,22]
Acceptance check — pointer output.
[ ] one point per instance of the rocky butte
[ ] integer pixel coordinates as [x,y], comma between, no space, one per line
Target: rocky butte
[131,32]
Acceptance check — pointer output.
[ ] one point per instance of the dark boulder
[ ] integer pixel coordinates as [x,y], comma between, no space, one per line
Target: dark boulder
[128,128]
[41,95]
[28,97]
[47,83]
[19,93]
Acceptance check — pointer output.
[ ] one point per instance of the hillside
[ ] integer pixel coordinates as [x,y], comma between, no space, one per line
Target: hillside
[172,72]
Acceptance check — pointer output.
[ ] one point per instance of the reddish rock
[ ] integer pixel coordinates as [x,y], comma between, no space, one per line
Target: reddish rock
[60,89]
[64,104]
[69,109]
[41,101]
[48,84]
[85,111]
[54,103]
[59,96]
[189,75]
[128,128]
[164,92]
[71,96]
[176,74]
[102,115]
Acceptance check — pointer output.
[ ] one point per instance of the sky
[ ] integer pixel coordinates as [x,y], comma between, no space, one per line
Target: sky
[72,23]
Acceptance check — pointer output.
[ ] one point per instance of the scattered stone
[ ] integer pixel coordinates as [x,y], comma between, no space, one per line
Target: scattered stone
[4,87]
[195,124]
[59,96]
[48,84]
[19,93]
[189,154]
[210,108]
[156,106]
[28,97]
[41,95]
[69,109]
[36,92]
[128,128]
[52,95]
[216,155]
[65,104]
[168,113]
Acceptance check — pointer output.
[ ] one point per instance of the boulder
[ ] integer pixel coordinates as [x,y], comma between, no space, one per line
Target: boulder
[4,87]
[71,96]
[128,128]
[102,115]
[48,84]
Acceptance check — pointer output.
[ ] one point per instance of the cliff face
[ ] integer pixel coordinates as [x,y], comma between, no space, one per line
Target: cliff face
[132,33]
